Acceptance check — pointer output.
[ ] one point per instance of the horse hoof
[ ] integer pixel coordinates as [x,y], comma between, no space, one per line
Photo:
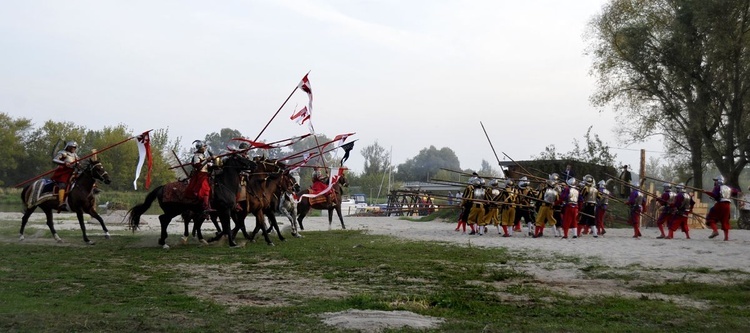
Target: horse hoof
[298,235]
[107,235]
[204,242]
[90,242]
[21,237]
[184,240]
[57,238]
[271,244]
[165,246]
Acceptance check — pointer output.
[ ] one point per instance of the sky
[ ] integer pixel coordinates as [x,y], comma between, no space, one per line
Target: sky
[405,74]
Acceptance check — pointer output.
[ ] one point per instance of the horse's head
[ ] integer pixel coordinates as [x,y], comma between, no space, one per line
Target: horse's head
[96,169]
[239,162]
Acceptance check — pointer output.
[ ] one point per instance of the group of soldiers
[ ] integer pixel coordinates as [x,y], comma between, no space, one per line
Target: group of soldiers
[554,203]
[580,206]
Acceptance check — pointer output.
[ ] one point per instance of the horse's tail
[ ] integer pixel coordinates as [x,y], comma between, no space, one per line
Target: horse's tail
[136,212]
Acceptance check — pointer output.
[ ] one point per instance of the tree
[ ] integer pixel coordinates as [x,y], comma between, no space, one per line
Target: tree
[377,160]
[43,143]
[218,142]
[427,163]
[595,152]
[679,68]
[13,134]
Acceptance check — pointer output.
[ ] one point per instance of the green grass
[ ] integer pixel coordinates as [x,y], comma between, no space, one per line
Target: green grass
[130,284]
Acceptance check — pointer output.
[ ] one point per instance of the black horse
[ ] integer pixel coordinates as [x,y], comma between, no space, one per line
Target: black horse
[43,194]
[303,207]
[226,183]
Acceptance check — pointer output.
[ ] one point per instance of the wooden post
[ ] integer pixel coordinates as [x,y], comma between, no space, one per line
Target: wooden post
[642,166]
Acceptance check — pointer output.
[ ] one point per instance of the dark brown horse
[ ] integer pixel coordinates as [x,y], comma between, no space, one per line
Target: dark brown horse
[80,198]
[225,185]
[303,207]
[263,190]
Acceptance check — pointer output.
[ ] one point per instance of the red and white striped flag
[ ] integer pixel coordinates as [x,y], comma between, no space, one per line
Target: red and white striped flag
[301,116]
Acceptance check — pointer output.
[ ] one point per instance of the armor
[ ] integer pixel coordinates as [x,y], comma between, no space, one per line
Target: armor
[590,195]
[244,145]
[550,195]
[638,199]
[572,182]
[719,180]
[602,185]
[198,144]
[72,144]
[479,192]
[588,180]
[573,193]
[667,186]
[602,199]
[725,192]
[199,161]
[476,181]
[523,182]
[680,188]
[685,204]
[509,182]
[493,183]
[64,157]
[554,177]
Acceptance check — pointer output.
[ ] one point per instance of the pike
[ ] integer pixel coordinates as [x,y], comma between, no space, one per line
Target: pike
[95,151]
[520,166]
[500,203]
[180,162]
[493,149]
[279,110]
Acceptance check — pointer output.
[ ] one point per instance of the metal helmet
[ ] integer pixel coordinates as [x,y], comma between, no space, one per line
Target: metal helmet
[602,184]
[588,180]
[481,181]
[550,183]
[680,187]
[244,145]
[554,177]
[523,182]
[719,180]
[667,186]
[571,181]
[199,144]
[471,180]
[71,144]
[493,182]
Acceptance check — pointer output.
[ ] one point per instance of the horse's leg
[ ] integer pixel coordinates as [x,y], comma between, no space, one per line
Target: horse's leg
[341,218]
[275,226]
[226,227]
[301,215]
[164,220]
[292,220]
[186,231]
[197,226]
[98,217]
[24,220]
[216,224]
[260,223]
[79,215]
[330,218]
[51,224]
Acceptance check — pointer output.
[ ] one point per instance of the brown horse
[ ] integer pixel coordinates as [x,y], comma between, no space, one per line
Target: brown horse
[80,198]
[303,207]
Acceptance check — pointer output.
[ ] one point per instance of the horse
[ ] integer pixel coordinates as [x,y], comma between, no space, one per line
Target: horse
[263,190]
[303,207]
[226,183]
[80,199]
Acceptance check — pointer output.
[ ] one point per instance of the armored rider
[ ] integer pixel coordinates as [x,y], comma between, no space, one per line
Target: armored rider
[67,165]
[200,185]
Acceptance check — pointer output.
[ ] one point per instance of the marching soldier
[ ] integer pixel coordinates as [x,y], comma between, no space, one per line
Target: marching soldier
[636,201]
[588,211]
[492,213]
[682,205]
[466,204]
[550,196]
[476,212]
[67,166]
[602,200]
[667,202]
[508,215]
[525,210]
[570,197]
[720,211]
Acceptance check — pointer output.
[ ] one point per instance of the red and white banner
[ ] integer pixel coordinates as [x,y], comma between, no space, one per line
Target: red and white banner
[144,154]
[336,173]
[301,116]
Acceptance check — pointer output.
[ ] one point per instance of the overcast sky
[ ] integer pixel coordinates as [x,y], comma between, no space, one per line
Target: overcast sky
[408,74]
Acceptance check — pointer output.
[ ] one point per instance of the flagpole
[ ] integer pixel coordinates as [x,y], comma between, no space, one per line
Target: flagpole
[279,110]
[81,159]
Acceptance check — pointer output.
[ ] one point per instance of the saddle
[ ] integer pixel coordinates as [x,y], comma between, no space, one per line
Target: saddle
[328,197]
[40,191]
[175,192]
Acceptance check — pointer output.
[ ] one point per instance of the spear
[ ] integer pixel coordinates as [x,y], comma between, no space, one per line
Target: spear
[81,159]
[282,106]
[493,149]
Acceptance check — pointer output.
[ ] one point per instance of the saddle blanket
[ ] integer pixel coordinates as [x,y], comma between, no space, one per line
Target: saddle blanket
[175,192]
[40,191]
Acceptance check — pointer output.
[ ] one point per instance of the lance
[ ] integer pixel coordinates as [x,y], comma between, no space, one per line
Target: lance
[300,153]
[81,159]
[269,145]
[500,203]
[180,162]
[695,189]
[493,149]
[519,165]
[632,186]
[279,110]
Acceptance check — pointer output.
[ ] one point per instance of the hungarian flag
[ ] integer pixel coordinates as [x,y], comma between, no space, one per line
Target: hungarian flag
[301,116]
[144,153]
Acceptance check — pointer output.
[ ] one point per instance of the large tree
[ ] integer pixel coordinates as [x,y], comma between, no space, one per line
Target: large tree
[427,164]
[13,133]
[678,68]
[377,160]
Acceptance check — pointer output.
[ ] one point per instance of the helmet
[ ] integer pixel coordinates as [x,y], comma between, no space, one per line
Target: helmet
[71,144]
[550,183]
[244,145]
[493,182]
[602,184]
[199,144]
[588,180]
[719,179]
[509,182]
[481,181]
[476,181]
[572,181]
[667,186]
[680,187]
[523,182]
[554,176]
[471,180]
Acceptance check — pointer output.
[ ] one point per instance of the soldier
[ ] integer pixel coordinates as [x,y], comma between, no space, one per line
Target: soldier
[557,208]
[681,206]
[549,197]
[666,200]
[509,200]
[525,210]
[570,197]
[319,181]
[476,212]
[466,205]
[492,212]
[199,185]
[602,200]
[588,211]
[721,209]
[625,178]
[636,201]
[67,165]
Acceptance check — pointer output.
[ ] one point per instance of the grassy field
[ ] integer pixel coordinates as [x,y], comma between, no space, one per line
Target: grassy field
[129,284]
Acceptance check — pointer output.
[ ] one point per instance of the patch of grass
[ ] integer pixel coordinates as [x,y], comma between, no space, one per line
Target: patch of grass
[130,284]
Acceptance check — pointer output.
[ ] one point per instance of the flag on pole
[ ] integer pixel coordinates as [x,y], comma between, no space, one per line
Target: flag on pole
[304,85]
[301,116]
[347,148]
[305,158]
[144,153]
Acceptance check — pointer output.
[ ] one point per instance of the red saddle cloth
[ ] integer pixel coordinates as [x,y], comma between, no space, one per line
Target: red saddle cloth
[176,192]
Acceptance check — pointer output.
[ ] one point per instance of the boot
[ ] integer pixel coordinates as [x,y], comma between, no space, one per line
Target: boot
[61,198]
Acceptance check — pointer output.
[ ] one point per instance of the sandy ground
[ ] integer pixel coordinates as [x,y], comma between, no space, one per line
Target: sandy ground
[682,258]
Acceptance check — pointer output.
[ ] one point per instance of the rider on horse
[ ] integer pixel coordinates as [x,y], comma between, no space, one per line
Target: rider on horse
[199,185]
[319,181]
[67,165]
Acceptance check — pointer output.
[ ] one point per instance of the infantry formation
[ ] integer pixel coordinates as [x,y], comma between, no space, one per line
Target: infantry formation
[564,204]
